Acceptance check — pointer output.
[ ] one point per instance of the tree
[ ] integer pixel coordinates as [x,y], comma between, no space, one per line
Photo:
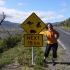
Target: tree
[2,18]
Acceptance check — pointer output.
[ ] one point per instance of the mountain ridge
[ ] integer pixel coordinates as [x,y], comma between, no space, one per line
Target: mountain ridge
[9,24]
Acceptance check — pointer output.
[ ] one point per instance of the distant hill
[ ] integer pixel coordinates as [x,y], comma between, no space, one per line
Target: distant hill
[9,24]
[55,23]
[8,28]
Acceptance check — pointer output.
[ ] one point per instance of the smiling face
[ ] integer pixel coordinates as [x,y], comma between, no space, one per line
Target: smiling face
[49,26]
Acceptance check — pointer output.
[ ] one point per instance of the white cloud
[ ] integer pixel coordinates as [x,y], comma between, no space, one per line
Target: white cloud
[63,10]
[21,4]
[2,3]
[63,4]
[48,16]
[20,16]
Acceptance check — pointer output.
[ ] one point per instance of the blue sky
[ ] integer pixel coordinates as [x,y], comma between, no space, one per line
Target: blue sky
[47,10]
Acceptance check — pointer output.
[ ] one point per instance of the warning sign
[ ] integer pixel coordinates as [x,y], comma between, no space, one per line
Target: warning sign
[33,24]
[33,40]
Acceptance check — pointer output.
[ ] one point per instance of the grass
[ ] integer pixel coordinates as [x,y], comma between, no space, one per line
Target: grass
[68,28]
[9,56]
[23,55]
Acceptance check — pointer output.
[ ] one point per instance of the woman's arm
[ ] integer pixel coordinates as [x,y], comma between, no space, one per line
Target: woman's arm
[57,33]
[43,33]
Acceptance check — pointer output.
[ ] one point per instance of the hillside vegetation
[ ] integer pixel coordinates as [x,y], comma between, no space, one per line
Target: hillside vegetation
[65,23]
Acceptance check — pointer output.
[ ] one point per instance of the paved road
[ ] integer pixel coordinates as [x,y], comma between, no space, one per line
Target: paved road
[64,38]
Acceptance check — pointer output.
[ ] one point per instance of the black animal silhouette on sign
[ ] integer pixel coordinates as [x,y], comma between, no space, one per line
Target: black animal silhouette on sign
[38,24]
[32,31]
[29,23]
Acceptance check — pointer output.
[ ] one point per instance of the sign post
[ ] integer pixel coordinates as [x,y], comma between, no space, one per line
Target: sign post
[33,25]
[32,55]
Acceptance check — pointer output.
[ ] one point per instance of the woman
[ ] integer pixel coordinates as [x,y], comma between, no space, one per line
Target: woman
[52,36]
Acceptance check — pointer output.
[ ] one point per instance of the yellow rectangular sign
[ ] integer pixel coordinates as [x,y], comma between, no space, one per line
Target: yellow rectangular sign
[33,40]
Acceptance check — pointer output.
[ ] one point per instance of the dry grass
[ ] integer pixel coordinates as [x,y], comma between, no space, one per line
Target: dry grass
[68,28]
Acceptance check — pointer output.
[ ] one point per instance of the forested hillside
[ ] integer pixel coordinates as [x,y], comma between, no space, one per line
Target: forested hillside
[65,23]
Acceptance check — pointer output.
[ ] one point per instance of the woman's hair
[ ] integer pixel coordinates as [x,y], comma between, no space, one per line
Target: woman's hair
[48,24]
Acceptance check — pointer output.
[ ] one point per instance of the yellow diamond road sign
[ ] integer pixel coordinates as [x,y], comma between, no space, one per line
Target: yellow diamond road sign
[33,24]
[33,40]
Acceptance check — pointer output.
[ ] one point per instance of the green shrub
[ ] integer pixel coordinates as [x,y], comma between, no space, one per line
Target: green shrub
[1,47]
[9,42]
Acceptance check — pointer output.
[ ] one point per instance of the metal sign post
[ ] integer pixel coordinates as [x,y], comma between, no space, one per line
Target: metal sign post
[32,55]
